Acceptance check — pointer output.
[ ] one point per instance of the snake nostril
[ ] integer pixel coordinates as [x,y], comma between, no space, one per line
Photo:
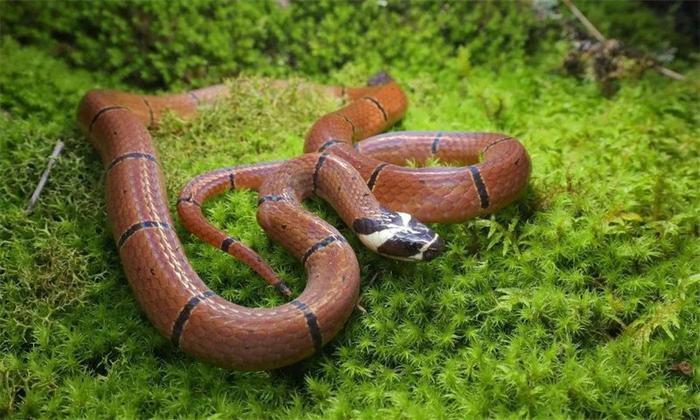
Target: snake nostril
[434,250]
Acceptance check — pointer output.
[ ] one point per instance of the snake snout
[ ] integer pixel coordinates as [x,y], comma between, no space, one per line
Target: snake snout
[434,249]
[400,236]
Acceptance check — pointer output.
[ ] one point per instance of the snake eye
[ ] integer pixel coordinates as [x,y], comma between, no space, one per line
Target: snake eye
[400,236]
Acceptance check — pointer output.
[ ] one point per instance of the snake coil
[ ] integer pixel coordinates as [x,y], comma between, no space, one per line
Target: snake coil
[345,162]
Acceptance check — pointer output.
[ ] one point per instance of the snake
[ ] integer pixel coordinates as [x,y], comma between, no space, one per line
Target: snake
[347,162]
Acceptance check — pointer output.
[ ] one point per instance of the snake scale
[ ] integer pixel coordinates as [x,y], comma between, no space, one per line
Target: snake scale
[345,162]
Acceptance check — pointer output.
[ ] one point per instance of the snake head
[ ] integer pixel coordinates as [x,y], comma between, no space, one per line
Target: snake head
[399,236]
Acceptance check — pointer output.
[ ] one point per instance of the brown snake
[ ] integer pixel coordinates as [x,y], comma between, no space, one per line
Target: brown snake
[363,181]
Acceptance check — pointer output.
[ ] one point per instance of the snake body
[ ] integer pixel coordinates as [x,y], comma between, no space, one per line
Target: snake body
[384,203]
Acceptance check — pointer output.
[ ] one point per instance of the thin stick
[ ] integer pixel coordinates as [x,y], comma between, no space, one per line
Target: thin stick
[599,36]
[45,176]
[668,72]
[587,23]
[360,307]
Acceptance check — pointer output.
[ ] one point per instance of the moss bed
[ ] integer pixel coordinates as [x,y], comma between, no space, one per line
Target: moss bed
[580,299]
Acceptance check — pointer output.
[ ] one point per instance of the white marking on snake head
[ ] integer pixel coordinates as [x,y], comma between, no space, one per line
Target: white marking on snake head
[400,236]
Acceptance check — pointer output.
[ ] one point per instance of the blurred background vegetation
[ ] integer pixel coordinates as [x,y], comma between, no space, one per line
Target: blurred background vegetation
[166,45]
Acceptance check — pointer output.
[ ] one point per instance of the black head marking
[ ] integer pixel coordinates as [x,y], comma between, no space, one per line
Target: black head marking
[366,226]
[387,219]
[399,246]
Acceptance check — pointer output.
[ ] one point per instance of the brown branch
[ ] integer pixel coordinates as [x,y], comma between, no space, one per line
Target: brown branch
[601,38]
[45,176]
[668,72]
[587,23]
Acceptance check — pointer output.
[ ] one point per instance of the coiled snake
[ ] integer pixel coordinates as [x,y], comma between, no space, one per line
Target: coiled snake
[381,201]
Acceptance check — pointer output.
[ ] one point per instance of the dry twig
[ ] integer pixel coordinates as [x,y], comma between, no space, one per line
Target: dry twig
[601,38]
[45,176]
[360,307]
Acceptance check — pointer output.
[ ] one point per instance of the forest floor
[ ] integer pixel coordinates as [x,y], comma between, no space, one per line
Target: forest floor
[580,299]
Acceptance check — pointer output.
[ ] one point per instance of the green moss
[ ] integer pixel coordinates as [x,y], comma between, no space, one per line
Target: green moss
[166,44]
[579,300]
[163,44]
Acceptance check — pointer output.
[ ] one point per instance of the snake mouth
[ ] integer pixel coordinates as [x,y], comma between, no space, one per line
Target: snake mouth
[399,236]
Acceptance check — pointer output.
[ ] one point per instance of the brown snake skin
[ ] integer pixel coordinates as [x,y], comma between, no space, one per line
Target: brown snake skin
[364,182]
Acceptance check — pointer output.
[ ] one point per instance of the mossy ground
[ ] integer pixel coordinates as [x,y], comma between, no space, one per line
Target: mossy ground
[581,299]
